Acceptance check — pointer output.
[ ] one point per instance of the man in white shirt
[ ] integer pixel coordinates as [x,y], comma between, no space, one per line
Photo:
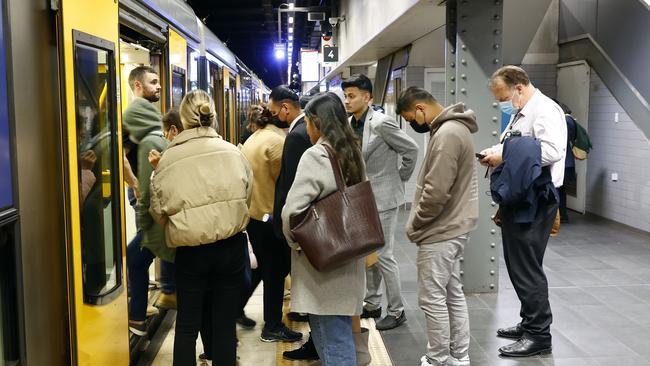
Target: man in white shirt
[534,115]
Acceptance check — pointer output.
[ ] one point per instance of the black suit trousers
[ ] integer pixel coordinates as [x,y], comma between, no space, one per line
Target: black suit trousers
[524,246]
[273,265]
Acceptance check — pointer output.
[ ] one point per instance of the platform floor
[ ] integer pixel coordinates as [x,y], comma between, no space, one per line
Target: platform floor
[599,279]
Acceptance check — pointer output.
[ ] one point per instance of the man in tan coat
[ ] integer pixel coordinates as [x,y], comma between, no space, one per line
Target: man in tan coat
[445,210]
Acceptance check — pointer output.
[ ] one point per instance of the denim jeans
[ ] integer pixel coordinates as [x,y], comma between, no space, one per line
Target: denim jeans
[138,260]
[332,335]
[215,270]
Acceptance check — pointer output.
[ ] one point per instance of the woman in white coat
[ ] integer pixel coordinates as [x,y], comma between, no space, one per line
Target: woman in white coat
[330,298]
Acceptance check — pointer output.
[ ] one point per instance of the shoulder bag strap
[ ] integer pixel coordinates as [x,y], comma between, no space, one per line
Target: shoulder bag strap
[338,174]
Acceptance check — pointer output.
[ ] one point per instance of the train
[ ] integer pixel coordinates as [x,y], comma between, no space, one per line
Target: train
[63,229]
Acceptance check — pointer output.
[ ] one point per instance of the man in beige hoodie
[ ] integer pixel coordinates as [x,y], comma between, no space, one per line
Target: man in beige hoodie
[445,210]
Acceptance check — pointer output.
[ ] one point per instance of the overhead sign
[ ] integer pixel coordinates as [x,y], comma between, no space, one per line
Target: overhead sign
[330,54]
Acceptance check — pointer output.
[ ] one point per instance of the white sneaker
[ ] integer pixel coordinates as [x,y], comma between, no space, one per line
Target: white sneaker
[453,361]
[424,361]
[152,310]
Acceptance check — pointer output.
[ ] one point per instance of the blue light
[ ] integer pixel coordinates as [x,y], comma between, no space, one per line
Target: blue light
[279,54]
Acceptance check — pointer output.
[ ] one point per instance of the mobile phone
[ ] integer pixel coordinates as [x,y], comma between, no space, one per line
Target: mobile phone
[480,156]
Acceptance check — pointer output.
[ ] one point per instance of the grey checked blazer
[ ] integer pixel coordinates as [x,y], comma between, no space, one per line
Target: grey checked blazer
[383,142]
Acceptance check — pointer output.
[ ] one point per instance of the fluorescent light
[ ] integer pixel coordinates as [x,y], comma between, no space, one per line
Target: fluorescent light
[291,5]
[290,38]
[290,20]
[290,29]
[279,54]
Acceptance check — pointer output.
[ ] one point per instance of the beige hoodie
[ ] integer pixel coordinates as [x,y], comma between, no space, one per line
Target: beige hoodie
[446,197]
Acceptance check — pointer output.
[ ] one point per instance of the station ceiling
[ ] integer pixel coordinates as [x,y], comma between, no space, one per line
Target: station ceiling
[249,28]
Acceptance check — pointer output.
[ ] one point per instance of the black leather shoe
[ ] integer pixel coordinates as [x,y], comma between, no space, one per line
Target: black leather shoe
[297,317]
[391,321]
[281,334]
[512,332]
[525,347]
[306,352]
[370,313]
[246,322]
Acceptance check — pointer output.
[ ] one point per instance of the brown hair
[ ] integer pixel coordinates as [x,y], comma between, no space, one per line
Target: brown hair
[511,76]
[138,73]
[172,118]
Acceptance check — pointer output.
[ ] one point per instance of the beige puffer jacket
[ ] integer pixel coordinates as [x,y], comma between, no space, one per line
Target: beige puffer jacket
[201,189]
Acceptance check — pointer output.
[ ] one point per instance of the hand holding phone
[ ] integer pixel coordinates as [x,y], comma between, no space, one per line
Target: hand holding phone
[480,156]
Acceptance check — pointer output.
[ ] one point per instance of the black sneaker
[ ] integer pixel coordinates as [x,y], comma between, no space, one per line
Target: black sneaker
[246,322]
[138,328]
[280,334]
[391,321]
[297,317]
[371,313]
[306,352]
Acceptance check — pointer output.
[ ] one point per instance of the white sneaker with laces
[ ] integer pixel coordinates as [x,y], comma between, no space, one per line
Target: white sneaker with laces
[453,361]
[424,361]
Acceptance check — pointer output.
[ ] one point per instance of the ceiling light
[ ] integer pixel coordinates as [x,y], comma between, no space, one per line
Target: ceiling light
[290,38]
[291,5]
[290,20]
[290,29]
[279,54]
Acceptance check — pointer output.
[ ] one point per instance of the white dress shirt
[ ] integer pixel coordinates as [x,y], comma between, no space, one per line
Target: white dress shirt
[544,120]
[293,123]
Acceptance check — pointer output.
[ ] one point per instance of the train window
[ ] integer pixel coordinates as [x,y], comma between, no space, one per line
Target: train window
[193,67]
[178,86]
[97,169]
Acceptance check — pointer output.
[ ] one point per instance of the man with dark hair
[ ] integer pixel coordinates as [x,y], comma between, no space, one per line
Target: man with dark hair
[274,260]
[143,121]
[533,115]
[382,142]
[445,210]
[144,82]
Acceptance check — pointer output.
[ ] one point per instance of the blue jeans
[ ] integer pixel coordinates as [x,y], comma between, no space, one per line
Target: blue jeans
[138,260]
[332,335]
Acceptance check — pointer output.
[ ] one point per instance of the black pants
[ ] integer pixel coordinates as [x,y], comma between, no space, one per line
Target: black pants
[215,270]
[273,265]
[523,249]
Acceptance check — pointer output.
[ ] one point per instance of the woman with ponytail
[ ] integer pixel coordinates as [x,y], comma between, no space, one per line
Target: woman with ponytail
[200,195]
[330,298]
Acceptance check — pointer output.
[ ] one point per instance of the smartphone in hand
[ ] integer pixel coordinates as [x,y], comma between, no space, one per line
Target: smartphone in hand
[480,156]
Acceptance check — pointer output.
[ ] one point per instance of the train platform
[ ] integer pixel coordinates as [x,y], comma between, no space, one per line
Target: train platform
[599,284]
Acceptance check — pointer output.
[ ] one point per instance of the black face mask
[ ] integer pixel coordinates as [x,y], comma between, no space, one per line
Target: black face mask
[279,124]
[419,128]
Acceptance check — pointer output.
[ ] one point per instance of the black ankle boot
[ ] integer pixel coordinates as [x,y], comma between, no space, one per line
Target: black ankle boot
[306,352]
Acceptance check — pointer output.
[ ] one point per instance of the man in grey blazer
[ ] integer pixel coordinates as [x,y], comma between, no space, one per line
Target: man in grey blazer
[382,142]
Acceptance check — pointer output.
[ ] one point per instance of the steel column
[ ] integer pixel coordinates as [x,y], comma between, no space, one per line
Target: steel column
[473,54]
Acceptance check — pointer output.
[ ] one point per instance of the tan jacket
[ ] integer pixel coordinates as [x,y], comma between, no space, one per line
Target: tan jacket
[263,149]
[201,189]
[446,195]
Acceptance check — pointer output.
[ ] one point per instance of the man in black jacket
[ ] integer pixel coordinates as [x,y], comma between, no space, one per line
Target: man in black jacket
[285,105]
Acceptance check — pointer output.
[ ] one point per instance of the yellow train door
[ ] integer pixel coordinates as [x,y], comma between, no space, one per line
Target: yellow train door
[88,62]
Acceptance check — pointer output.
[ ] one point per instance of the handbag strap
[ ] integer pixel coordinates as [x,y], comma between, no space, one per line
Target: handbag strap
[338,173]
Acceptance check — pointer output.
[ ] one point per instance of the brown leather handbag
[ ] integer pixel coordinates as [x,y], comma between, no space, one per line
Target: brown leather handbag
[341,227]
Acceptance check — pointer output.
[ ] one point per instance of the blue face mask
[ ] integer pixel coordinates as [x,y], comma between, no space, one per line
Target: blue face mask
[507,107]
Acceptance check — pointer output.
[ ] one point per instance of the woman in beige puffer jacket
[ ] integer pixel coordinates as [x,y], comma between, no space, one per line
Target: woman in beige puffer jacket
[200,194]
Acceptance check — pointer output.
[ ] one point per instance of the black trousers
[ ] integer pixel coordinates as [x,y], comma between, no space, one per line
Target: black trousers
[273,265]
[215,270]
[523,248]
